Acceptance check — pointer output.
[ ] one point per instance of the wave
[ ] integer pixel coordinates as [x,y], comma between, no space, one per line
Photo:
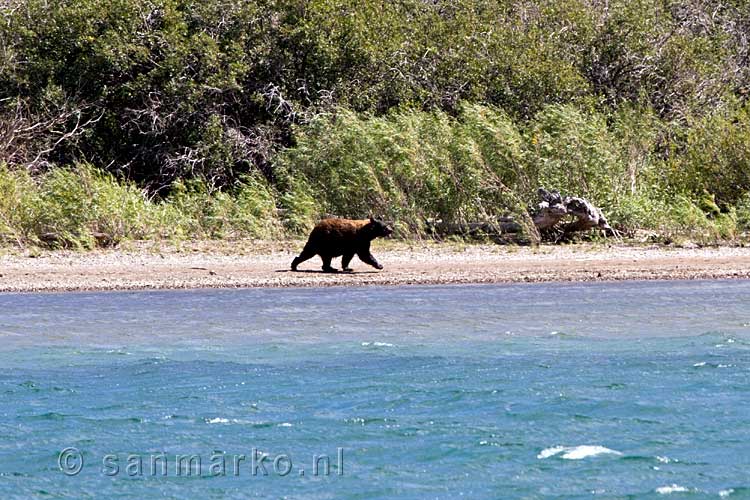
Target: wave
[673,488]
[576,452]
[240,421]
[708,364]
[739,491]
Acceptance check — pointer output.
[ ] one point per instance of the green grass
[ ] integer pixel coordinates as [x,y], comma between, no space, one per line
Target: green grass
[82,207]
[408,167]
[479,165]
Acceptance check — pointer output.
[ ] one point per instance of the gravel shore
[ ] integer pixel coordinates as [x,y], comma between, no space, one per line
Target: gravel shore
[266,264]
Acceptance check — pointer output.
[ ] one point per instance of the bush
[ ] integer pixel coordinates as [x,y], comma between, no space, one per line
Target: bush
[19,201]
[574,152]
[78,205]
[716,157]
[83,207]
[249,210]
[176,89]
[743,213]
[409,166]
[415,166]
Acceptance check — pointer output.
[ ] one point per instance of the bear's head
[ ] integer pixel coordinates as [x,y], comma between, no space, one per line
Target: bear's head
[378,228]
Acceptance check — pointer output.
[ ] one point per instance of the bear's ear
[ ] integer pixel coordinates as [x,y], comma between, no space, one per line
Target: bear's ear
[372,219]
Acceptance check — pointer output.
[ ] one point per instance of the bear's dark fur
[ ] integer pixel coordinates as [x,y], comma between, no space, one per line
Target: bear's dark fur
[345,237]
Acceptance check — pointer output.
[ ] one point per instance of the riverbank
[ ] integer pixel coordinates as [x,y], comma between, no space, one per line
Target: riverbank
[266,264]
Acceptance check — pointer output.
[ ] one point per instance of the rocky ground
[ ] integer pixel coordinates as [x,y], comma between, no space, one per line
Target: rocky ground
[266,264]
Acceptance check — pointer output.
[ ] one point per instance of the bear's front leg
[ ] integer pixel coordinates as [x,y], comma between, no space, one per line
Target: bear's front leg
[366,257]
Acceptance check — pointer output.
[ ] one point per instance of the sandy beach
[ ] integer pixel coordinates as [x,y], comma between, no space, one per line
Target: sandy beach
[140,266]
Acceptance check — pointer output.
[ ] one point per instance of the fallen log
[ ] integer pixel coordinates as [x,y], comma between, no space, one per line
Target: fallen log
[553,209]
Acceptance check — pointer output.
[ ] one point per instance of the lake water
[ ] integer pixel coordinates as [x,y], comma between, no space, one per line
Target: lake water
[634,390]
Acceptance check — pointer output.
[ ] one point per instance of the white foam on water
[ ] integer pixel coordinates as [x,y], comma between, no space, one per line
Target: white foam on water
[550,452]
[674,488]
[221,420]
[285,424]
[577,452]
[580,452]
[726,493]
[119,351]
[720,365]
[377,344]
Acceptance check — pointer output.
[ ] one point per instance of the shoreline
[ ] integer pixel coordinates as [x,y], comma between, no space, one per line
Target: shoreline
[253,264]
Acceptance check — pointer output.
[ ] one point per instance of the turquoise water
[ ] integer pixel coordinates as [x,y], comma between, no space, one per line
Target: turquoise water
[628,390]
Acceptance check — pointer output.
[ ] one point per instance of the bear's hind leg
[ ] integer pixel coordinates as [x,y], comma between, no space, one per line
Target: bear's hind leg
[327,265]
[345,260]
[307,253]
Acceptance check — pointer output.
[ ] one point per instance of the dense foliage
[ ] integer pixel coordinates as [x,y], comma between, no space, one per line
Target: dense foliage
[415,108]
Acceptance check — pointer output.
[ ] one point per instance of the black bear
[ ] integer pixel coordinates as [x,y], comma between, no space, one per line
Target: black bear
[345,237]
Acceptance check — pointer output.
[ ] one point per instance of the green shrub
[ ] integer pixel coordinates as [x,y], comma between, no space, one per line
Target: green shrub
[743,213]
[575,153]
[166,86]
[82,207]
[409,167]
[412,167]
[716,157]
[255,214]
[78,205]
[19,202]
[247,211]
[300,208]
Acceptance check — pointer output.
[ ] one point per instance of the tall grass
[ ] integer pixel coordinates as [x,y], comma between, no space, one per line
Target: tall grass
[71,208]
[82,207]
[412,167]
[476,166]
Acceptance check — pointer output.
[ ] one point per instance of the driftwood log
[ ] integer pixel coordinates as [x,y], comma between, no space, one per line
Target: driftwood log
[555,217]
[554,209]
